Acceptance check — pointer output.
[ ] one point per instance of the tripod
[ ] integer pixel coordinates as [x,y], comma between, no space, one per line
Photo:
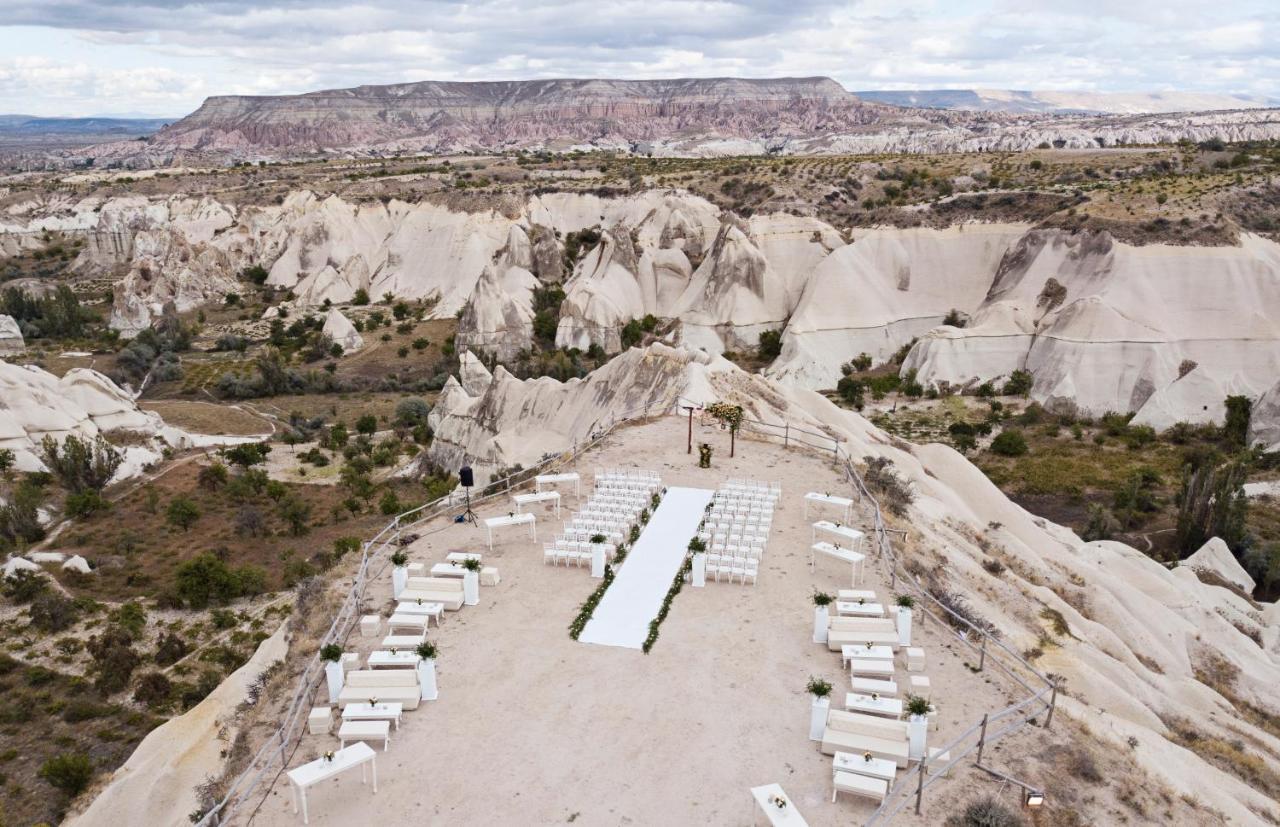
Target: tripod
[468,516]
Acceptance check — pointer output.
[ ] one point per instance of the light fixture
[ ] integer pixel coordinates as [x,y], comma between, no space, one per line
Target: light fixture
[1033,798]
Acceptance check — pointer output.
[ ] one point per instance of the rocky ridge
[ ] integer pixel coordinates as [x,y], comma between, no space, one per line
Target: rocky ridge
[686,116]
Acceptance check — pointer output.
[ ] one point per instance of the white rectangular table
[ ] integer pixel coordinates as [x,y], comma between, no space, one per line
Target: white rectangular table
[382,711]
[428,610]
[399,659]
[849,651]
[365,731]
[847,535]
[448,570]
[403,641]
[888,707]
[522,500]
[413,622]
[872,668]
[850,556]
[491,523]
[881,768]
[463,556]
[843,503]
[554,479]
[787,816]
[852,608]
[313,772]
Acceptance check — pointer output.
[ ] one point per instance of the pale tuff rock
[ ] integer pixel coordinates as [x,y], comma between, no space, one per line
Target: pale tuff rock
[77,564]
[10,336]
[1126,610]
[1264,425]
[16,564]
[1215,558]
[162,774]
[475,377]
[499,317]
[341,331]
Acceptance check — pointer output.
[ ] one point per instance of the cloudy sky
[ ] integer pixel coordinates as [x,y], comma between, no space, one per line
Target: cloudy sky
[163,57]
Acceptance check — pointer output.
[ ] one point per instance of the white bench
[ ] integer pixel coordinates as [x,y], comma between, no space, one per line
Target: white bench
[869,685]
[384,711]
[443,590]
[412,622]
[865,786]
[430,610]
[365,731]
[920,686]
[402,641]
[872,668]
[318,720]
[858,733]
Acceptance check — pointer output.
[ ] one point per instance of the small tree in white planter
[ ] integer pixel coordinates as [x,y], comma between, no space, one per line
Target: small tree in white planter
[903,610]
[427,671]
[821,600]
[697,549]
[471,581]
[918,709]
[597,555]
[331,654]
[821,692]
[399,573]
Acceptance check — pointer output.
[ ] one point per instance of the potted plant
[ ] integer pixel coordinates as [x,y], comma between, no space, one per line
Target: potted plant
[399,573]
[902,610]
[331,654]
[644,516]
[704,455]
[471,581]
[821,692]
[597,555]
[697,549]
[427,670]
[918,709]
[821,616]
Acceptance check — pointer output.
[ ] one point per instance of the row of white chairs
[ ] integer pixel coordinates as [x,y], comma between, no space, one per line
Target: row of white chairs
[567,551]
[736,483]
[741,569]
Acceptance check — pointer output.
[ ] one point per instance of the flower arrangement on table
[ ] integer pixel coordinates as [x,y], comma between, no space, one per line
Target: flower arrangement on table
[866,756]
[875,696]
[373,701]
[328,757]
[778,801]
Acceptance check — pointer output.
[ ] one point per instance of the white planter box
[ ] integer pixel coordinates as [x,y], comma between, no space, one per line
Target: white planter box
[335,677]
[818,718]
[820,624]
[399,579]
[471,588]
[427,679]
[699,570]
[917,729]
[904,625]
[597,560]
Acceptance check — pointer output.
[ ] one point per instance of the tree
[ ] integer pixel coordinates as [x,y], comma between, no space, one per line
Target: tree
[247,454]
[24,585]
[1102,524]
[212,476]
[296,512]
[114,659]
[361,297]
[70,773]
[205,579]
[52,612]
[20,516]
[1019,383]
[81,465]
[170,649]
[410,412]
[1009,443]
[7,460]
[182,512]
[367,425]
[153,689]
[1236,428]
[257,274]
[1212,503]
[770,345]
[851,391]
[861,362]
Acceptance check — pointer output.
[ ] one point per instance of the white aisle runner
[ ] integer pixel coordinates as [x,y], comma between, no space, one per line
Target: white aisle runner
[622,618]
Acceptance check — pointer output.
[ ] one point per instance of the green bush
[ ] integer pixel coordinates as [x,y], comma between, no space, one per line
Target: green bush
[153,689]
[85,504]
[1019,383]
[1009,443]
[985,812]
[70,773]
[182,512]
[770,345]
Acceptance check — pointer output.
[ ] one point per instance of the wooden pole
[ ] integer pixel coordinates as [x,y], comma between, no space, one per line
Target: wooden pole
[733,439]
[1053,702]
[982,739]
[920,782]
[982,653]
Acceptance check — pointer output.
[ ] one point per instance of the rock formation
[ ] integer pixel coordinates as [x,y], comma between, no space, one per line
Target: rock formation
[1264,424]
[1066,102]
[342,332]
[1138,631]
[684,116]
[10,336]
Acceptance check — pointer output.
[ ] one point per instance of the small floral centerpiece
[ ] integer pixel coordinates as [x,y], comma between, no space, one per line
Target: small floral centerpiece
[393,651]
[511,513]
[866,756]
[328,756]
[875,696]
[419,601]
[373,702]
[862,601]
[778,801]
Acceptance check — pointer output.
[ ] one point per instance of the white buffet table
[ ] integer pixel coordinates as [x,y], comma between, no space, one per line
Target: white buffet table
[849,651]
[522,500]
[846,535]
[880,768]
[852,608]
[313,772]
[382,711]
[887,707]
[854,558]
[491,523]
[554,479]
[814,498]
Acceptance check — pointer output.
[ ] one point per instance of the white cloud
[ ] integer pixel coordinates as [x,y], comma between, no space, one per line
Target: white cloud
[115,55]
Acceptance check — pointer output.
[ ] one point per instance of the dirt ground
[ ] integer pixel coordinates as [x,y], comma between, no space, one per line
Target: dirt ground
[535,728]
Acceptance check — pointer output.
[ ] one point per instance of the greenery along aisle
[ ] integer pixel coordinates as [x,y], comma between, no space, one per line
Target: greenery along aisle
[676,585]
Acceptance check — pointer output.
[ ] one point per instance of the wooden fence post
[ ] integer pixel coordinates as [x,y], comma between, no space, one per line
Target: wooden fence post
[982,653]
[920,781]
[1053,702]
[786,436]
[982,739]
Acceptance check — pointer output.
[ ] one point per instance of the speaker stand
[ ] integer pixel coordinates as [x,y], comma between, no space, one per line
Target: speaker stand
[469,515]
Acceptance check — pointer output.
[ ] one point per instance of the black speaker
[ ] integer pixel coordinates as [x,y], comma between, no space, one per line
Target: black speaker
[465,476]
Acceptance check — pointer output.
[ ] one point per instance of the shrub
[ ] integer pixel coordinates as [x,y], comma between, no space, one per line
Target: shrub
[85,504]
[822,599]
[1236,427]
[896,493]
[79,464]
[817,687]
[954,319]
[410,412]
[24,585]
[131,617]
[170,649]
[1019,383]
[770,345]
[205,579]
[962,616]
[361,297]
[114,659]
[985,812]
[248,454]
[296,512]
[70,773]
[153,689]
[52,612]
[212,476]
[851,391]
[1009,443]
